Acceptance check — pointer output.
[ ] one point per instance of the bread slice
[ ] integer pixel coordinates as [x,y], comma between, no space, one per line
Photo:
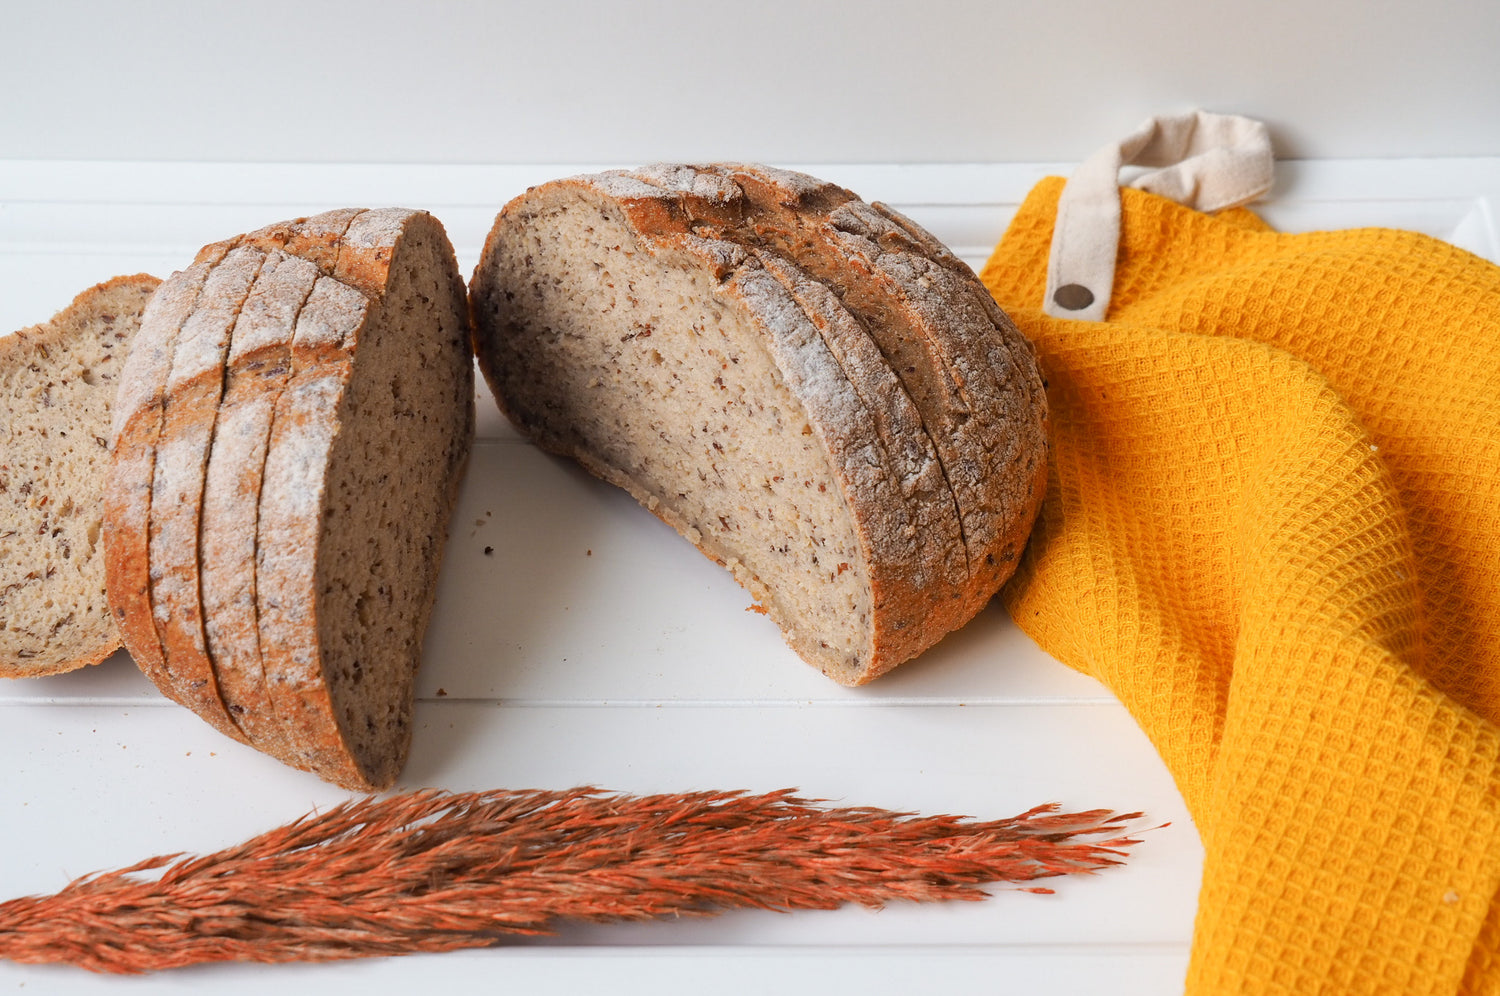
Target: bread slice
[135,482]
[58,383]
[134,426]
[787,401]
[368,443]
[190,403]
[257,370]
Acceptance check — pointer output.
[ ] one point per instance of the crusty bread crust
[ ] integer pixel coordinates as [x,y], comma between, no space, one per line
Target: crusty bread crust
[258,368]
[136,425]
[70,364]
[189,407]
[972,374]
[938,382]
[242,291]
[255,430]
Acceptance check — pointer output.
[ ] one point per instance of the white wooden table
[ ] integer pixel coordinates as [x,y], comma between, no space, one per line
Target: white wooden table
[592,646]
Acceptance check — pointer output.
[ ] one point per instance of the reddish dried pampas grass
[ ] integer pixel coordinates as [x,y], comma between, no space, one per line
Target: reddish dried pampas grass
[434,871]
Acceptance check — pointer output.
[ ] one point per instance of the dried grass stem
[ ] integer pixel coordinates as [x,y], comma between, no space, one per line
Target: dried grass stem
[436,871]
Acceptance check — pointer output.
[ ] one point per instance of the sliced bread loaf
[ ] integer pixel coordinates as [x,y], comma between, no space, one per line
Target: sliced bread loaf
[232,326]
[58,383]
[794,405]
[971,373]
[291,453]
[367,447]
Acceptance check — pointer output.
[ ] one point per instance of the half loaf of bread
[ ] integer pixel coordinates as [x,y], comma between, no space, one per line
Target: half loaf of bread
[810,388]
[58,383]
[283,476]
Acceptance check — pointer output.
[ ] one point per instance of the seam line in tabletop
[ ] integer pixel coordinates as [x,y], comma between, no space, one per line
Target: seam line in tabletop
[1078,949]
[940,702]
[937,702]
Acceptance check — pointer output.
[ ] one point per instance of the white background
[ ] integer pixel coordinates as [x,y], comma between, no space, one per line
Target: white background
[774,80]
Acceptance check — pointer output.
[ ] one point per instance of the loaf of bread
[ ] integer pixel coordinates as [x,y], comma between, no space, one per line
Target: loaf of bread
[58,383]
[810,388]
[288,449]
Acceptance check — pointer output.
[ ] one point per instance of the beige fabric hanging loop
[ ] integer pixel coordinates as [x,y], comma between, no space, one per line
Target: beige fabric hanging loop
[1205,161]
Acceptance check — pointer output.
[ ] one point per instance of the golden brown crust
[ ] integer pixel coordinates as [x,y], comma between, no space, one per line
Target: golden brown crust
[175,445]
[190,408]
[257,370]
[137,421]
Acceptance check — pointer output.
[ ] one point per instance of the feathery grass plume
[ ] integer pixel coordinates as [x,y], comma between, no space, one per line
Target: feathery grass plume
[435,871]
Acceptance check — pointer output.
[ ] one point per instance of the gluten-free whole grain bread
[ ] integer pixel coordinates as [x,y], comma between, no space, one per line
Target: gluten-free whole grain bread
[810,388]
[285,484]
[58,383]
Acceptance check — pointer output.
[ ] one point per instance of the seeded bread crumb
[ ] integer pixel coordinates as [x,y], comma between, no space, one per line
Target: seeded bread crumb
[57,383]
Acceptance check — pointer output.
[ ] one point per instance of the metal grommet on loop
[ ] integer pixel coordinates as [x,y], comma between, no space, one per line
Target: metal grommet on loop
[1074,297]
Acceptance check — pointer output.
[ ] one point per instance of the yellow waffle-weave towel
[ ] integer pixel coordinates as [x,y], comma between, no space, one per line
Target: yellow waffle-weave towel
[1273,530]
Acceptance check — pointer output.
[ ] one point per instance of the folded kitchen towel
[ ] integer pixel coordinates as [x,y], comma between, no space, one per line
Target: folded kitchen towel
[1273,530]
